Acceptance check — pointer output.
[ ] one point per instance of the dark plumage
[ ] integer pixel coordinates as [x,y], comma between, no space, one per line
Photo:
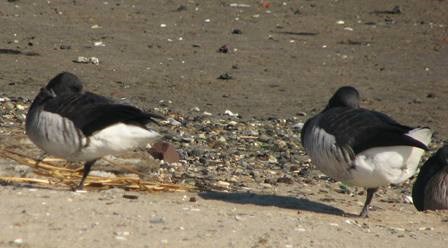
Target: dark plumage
[362,147]
[430,191]
[66,121]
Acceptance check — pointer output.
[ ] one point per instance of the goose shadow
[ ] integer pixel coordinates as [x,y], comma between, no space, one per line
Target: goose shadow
[272,200]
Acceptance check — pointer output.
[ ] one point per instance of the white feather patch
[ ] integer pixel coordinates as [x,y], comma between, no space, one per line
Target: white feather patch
[389,165]
[381,166]
[116,139]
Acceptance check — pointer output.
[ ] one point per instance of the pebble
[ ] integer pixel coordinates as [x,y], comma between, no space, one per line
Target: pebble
[222,185]
[225,76]
[157,220]
[18,241]
[129,196]
[164,151]
[239,5]
[426,228]
[298,126]
[237,31]
[99,44]
[173,122]
[85,60]
[407,199]
[230,113]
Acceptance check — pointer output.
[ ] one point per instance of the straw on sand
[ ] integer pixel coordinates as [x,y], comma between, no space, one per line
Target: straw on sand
[55,176]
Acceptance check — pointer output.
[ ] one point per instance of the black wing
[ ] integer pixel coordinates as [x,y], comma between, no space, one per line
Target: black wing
[90,112]
[362,129]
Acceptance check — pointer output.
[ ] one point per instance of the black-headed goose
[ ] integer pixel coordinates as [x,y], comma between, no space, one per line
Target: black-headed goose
[66,121]
[362,147]
[430,191]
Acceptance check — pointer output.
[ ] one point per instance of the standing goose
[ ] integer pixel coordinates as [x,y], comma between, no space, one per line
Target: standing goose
[66,121]
[430,191]
[362,147]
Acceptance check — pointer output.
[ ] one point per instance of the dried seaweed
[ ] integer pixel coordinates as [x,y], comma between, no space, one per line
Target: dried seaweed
[55,176]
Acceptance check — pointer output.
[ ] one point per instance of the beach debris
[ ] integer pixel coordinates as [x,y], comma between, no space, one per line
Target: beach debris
[87,60]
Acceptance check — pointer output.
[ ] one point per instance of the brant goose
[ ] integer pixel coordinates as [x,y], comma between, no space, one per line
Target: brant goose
[66,121]
[430,191]
[362,147]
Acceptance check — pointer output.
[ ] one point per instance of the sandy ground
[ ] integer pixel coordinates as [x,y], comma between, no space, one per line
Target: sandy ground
[288,58]
[49,218]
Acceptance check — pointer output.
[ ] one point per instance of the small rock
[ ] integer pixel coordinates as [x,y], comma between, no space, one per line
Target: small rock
[164,151]
[266,185]
[431,95]
[236,31]
[280,145]
[222,185]
[225,76]
[426,228]
[99,43]
[174,122]
[82,59]
[18,241]
[129,196]
[230,113]
[157,220]
[94,60]
[239,5]
[85,60]
[196,109]
[65,47]
[181,8]
[298,126]
[223,49]
[285,179]
[407,199]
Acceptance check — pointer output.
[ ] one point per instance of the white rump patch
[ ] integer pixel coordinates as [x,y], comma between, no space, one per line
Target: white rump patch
[389,165]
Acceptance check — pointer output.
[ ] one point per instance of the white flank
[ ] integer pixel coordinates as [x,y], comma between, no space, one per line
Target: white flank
[55,134]
[116,139]
[329,158]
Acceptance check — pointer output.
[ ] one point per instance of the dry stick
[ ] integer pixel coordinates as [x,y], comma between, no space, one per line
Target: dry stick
[24,180]
[67,176]
[25,159]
